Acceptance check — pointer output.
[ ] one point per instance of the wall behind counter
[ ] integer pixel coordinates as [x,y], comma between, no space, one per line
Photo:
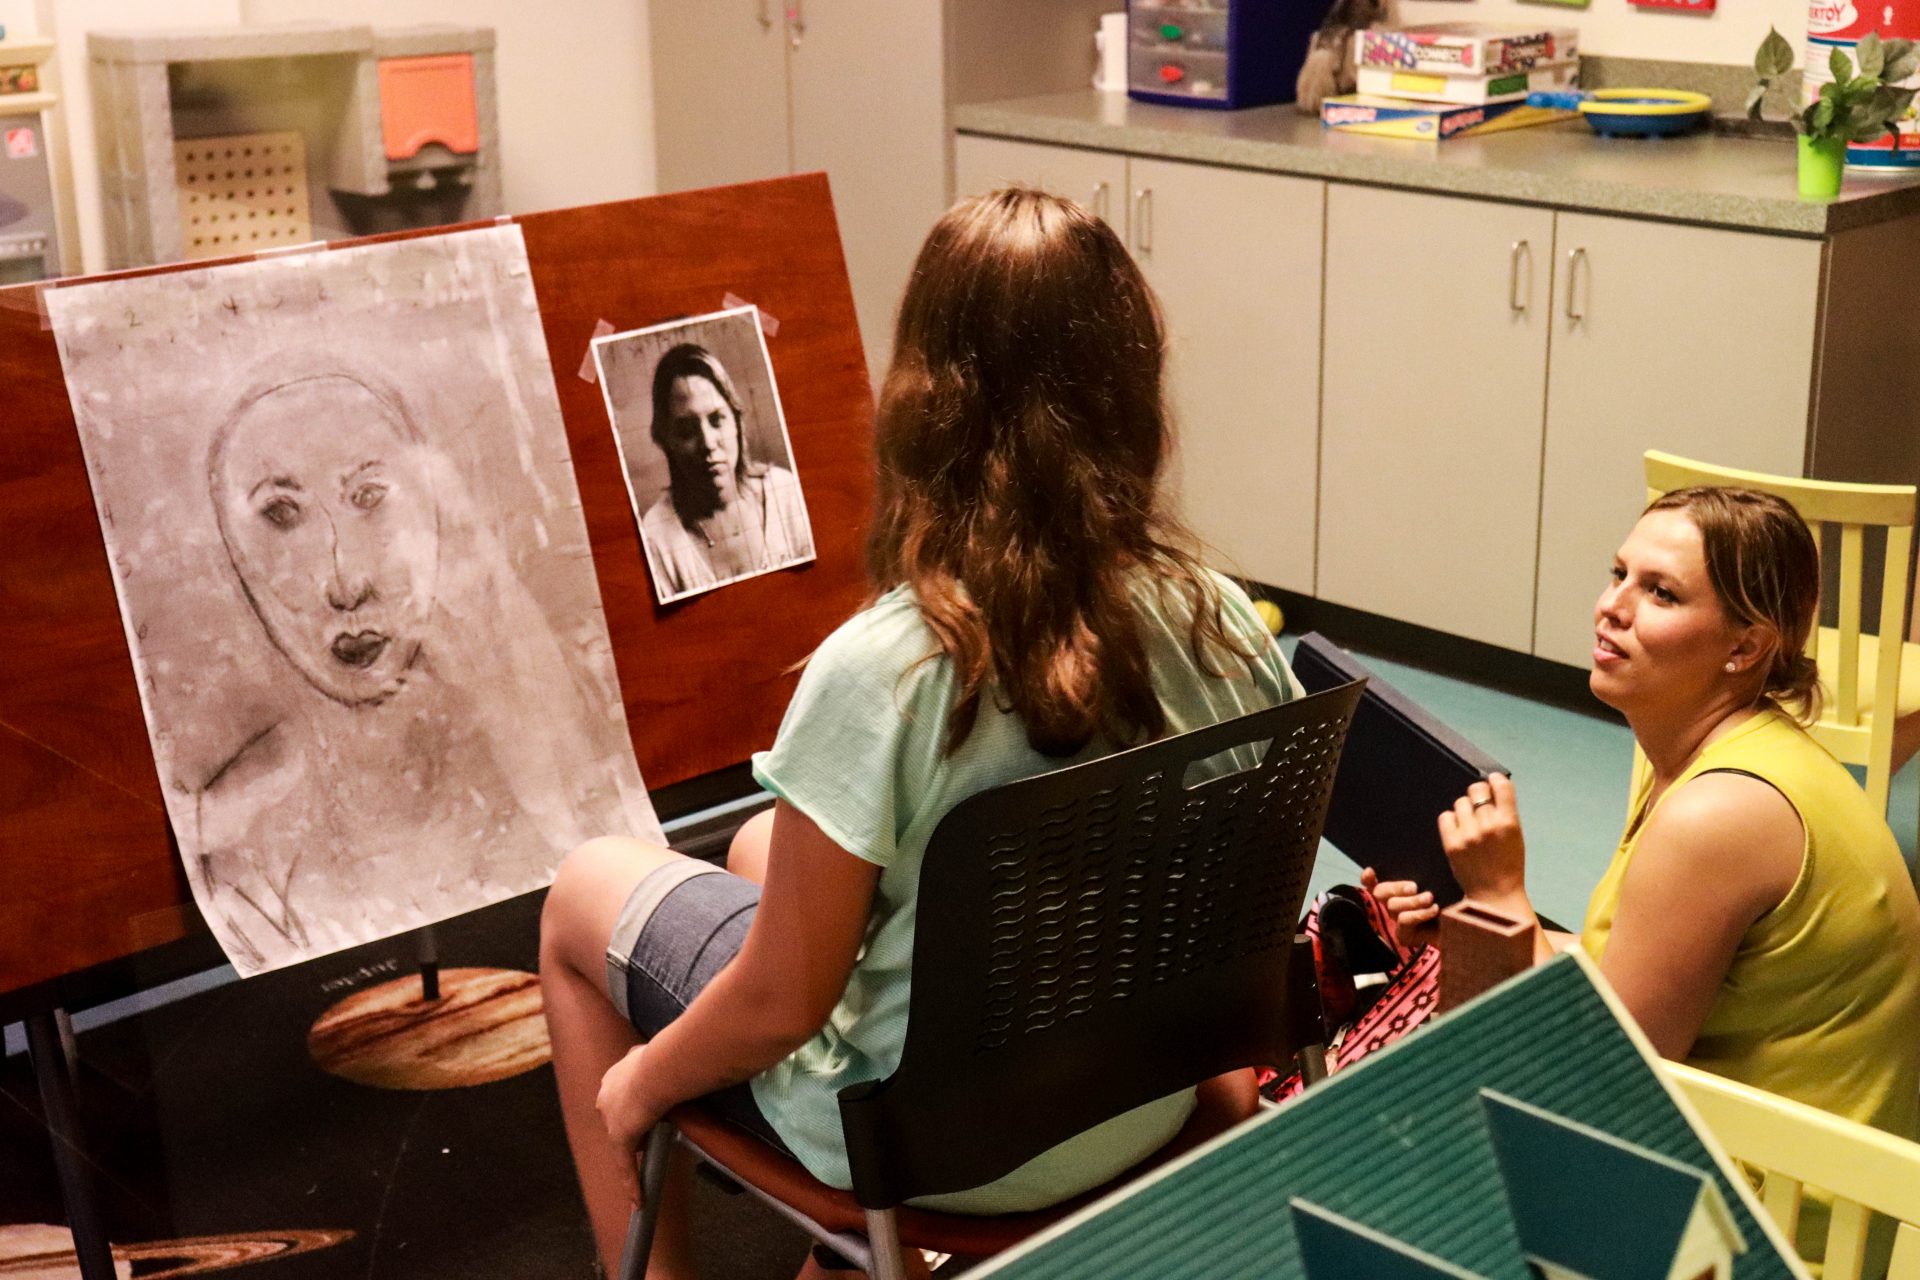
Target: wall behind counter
[1620,30]
[575,84]
[576,88]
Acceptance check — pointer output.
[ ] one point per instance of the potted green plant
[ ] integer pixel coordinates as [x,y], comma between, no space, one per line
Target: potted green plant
[1859,105]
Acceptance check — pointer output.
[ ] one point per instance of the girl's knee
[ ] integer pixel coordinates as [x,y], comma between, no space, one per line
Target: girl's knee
[747,855]
[589,889]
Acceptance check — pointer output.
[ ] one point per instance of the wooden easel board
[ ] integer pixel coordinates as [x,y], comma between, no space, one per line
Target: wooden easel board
[87,870]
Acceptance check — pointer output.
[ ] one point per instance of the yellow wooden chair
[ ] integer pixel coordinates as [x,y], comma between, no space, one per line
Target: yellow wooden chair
[1871,713]
[1793,1145]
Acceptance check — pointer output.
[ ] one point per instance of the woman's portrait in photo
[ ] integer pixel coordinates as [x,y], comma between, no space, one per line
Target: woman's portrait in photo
[704,447]
[356,583]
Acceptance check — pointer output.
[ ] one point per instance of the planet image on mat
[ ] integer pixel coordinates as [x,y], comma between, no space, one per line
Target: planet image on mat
[487,1025]
[41,1251]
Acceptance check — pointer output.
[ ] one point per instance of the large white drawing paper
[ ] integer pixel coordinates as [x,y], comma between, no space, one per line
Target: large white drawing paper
[349,552]
[704,446]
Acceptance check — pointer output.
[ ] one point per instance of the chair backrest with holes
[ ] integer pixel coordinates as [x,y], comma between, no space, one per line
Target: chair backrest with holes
[1855,730]
[1094,938]
[1795,1146]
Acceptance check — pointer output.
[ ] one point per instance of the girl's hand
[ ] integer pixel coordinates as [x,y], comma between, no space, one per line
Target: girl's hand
[629,1118]
[1481,835]
[1413,911]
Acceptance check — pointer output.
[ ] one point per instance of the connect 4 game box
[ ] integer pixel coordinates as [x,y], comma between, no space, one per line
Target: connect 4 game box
[1431,121]
[1464,49]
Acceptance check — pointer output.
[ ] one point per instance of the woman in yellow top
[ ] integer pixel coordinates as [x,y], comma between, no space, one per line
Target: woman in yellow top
[1757,918]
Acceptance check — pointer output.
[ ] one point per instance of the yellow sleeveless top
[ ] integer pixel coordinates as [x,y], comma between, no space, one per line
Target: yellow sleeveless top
[1822,1002]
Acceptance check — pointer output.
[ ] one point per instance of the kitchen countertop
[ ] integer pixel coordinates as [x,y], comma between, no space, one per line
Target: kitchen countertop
[1705,178]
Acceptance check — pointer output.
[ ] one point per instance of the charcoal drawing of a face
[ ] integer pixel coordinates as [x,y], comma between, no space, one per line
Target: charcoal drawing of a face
[330,519]
[338,504]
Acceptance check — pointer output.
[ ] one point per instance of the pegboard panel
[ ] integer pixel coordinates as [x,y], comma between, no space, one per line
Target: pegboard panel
[242,193]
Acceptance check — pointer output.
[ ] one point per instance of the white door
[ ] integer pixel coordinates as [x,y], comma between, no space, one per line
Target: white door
[719,92]
[1695,341]
[1432,408]
[869,108]
[1235,259]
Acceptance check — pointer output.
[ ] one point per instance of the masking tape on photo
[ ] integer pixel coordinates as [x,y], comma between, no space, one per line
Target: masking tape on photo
[589,371]
[769,325]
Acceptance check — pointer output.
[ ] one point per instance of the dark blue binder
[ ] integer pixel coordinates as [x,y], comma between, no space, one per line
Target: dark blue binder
[1401,767]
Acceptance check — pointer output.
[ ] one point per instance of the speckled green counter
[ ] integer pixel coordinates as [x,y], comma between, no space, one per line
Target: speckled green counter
[1707,179]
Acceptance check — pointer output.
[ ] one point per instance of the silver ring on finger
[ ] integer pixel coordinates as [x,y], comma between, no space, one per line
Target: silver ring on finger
[1481,804]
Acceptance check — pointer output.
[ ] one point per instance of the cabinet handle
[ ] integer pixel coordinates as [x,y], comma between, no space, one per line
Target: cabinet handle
[764,15]
[796,22]
[1515,300]
[1143,220]
[1101,201]
[1575,260]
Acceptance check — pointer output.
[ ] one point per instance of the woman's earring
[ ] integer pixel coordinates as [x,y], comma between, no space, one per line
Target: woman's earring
[1732,665]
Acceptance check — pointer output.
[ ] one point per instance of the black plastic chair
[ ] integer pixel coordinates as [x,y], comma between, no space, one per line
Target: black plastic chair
[1086,941]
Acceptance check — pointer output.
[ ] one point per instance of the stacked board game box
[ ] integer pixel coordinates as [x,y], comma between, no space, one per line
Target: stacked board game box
[1453,80]
[1465,49]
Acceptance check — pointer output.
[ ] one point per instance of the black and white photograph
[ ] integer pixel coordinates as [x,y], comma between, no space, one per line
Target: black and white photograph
[704,447]
[345,534]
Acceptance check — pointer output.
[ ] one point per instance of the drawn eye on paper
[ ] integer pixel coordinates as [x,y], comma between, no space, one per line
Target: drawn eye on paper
[356,582]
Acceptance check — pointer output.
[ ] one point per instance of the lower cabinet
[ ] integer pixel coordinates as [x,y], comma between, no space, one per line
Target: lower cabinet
[1488,377]
[1435,369]
[1696,341]
[1234,257]
[1493,375]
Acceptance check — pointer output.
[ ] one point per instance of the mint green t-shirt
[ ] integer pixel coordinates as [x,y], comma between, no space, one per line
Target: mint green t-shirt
[859,753]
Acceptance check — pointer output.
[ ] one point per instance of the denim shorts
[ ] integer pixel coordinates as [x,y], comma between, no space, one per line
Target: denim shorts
[680,926]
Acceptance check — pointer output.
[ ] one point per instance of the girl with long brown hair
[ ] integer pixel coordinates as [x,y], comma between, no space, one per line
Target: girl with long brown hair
[1033,607]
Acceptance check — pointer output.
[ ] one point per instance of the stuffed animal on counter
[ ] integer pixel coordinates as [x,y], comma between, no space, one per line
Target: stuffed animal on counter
[1328,69]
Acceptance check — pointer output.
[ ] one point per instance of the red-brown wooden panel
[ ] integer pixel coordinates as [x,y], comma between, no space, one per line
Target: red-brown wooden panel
[87,874]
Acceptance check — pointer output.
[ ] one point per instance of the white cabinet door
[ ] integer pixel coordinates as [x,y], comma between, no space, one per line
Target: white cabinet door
[1235,259]
[1432,407]
[1097,179]
[869,108]
[1699,342]
[719,92]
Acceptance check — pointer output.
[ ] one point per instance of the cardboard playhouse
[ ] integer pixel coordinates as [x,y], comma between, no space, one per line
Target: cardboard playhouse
[1531,1133]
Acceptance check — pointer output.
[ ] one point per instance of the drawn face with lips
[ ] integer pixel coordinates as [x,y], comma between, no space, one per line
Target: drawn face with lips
[329,516]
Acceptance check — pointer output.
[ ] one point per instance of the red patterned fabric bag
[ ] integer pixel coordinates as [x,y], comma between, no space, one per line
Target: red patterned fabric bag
[1357,1029]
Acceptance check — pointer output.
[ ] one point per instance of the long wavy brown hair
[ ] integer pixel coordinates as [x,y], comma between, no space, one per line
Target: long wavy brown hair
[1020,439]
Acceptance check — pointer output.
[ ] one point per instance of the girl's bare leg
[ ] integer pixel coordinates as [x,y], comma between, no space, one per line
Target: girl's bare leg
[589,1035]
[747,855]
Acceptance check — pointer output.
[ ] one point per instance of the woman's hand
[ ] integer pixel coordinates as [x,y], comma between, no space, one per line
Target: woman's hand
[1413,911]
[1481,835]
[628,1115]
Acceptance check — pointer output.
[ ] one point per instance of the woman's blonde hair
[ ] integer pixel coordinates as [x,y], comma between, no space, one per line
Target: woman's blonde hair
[1765,568]
[1020,439]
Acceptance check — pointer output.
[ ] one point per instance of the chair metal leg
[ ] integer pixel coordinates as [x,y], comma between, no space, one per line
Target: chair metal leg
[850,1245]
[883,1240]
[641,1226]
